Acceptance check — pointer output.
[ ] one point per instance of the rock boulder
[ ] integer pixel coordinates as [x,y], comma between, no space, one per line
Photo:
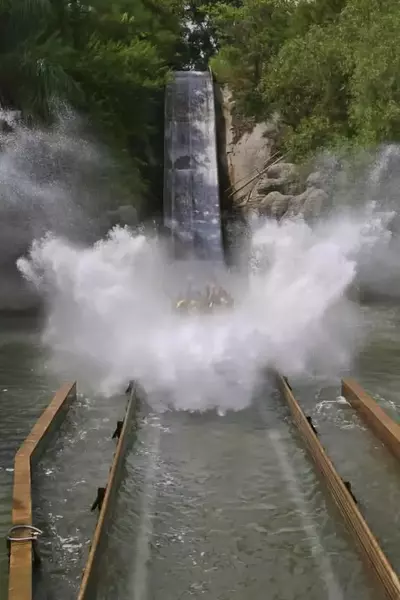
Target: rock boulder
[274,204]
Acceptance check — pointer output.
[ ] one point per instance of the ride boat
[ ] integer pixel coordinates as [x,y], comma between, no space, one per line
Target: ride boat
[204,301]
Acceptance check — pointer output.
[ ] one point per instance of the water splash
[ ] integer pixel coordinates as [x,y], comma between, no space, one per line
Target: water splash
[111,315]
[50,179]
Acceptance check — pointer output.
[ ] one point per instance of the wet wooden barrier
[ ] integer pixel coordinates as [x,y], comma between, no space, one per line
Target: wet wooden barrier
[89,581]
[355,522]
[387,430]
[22,551]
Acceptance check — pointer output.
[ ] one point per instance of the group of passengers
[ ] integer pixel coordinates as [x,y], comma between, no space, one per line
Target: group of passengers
[197,301]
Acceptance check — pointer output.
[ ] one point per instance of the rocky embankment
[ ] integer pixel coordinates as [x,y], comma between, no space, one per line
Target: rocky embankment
[262,182]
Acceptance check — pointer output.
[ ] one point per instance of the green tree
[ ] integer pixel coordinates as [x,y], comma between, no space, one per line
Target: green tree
[32,58]
[330,68]
[249,34]
[307,84]
[109,60]
[369,32]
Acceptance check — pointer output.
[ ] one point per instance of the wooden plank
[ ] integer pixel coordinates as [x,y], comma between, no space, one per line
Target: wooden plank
[90,576]
[355,522]
[385,429]
[21,553]
[20,569]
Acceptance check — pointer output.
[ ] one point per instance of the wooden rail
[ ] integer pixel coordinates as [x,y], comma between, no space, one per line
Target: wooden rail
[89,581]
[367,543]
[21,552]
[373,415]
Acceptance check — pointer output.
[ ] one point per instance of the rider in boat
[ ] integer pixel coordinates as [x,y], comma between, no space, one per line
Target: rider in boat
[195,301]
[224,297]
[189,301]
[217,295]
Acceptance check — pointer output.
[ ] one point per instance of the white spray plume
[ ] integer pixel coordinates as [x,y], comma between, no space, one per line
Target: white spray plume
[111,316]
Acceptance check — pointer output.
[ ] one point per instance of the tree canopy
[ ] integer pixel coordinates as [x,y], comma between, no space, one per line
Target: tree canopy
[108,60]
[330,68]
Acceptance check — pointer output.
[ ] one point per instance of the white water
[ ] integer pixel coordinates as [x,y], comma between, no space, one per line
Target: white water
[111,317]
[54,178]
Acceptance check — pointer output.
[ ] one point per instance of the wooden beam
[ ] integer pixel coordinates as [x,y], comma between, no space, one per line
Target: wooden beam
[90,576]
[385,429]
[355,522]
[21,552]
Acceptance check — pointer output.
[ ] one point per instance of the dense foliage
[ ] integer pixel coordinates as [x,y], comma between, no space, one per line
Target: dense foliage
[108,59]
[330,68]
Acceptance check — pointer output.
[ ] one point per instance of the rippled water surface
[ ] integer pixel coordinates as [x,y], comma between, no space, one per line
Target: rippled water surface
[357,454]
[227,507]
[65,484]
[378,367]
[211,507]
[76,463]
[25,389]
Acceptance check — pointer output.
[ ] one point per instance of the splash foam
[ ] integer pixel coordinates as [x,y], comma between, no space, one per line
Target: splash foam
[50,179]
[111,315]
